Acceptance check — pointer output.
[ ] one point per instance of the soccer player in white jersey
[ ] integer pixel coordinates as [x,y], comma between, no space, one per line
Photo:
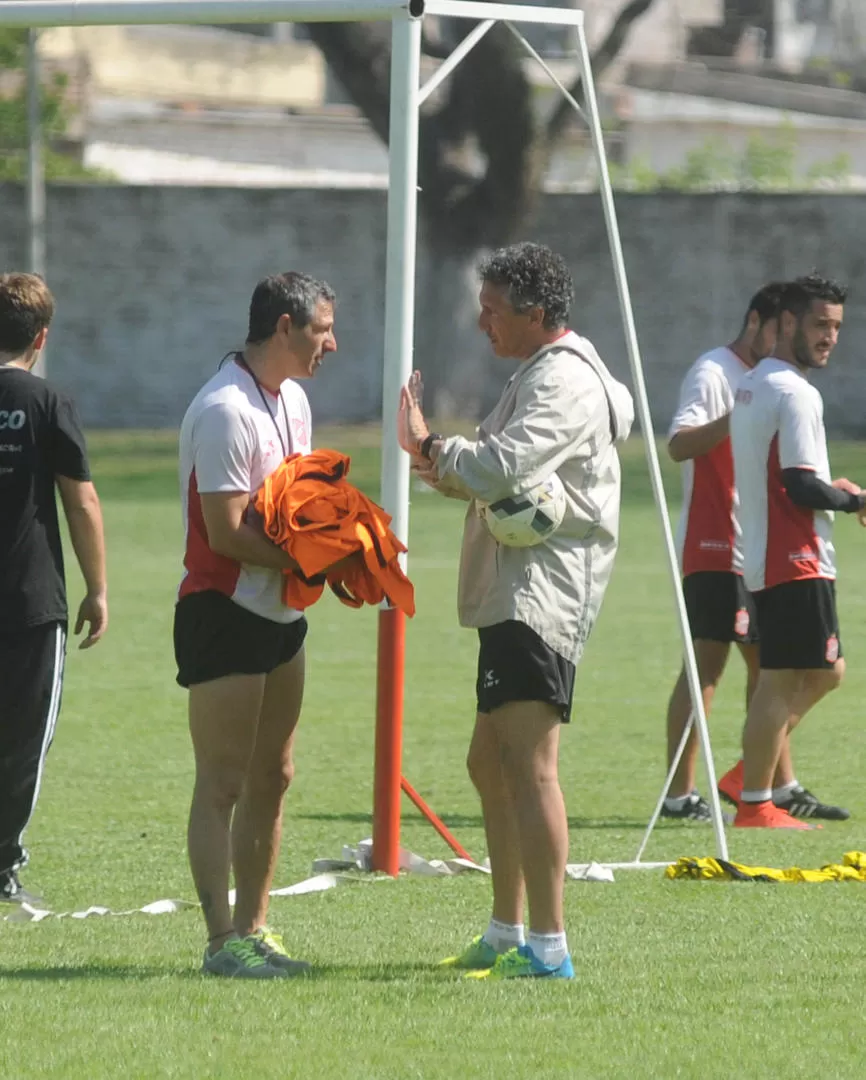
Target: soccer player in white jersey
[787,504]
[239,650]
[719,607]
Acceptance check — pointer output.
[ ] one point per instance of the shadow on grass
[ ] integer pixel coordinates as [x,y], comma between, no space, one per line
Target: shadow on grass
[59,973]
[354,817]
[475,821]
[376,972]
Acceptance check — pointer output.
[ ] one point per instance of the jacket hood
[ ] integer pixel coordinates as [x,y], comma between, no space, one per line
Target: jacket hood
[619,399]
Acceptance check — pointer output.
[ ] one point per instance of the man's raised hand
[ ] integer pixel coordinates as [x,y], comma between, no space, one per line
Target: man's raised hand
[412,429]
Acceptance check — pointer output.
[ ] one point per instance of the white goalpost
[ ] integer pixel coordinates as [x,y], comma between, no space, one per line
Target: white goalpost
[407,95]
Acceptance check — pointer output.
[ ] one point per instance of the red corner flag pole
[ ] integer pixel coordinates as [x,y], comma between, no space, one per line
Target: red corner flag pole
[388,779]
[389,741]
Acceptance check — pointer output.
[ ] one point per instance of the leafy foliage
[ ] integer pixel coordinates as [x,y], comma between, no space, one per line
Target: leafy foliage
[764,164]
[13,118]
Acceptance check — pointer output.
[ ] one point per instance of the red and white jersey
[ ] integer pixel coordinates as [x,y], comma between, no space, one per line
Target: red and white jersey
[708,536]
[778,423]
[229,441]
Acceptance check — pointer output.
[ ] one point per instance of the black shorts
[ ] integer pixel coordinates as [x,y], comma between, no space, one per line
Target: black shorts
[514,664]
[214,637]
[798,625]
[720,607]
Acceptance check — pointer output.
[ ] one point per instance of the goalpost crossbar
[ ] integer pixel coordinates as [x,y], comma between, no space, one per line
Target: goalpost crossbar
[406,97]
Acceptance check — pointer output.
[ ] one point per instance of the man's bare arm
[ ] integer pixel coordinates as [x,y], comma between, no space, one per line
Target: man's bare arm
[84,517]
[690,443]
[230,535]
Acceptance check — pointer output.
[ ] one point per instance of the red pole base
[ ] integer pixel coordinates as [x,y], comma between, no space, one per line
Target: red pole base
[389,741]
[437,823]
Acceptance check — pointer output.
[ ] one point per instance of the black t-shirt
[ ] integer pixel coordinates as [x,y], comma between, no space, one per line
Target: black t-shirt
[40,438]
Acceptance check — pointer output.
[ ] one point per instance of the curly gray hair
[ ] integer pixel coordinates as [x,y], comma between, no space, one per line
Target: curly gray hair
[532,276]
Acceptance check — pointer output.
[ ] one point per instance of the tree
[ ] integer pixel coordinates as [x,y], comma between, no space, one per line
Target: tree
[484,114]
[738,15]
[13,116]
[482,150]
[766,164]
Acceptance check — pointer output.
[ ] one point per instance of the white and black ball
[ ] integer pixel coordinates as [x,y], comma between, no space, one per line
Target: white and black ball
[529,518]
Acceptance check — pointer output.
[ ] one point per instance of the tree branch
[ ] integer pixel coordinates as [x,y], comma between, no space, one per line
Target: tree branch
[604,56]
[360,56]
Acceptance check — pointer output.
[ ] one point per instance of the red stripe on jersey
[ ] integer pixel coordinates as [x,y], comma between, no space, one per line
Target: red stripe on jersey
[204,568]
[792,546]
[709,541]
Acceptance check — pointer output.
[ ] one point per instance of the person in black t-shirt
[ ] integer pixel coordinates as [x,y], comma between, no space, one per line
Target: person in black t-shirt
[41,446]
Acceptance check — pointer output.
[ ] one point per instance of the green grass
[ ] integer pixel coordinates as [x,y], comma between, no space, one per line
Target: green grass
[674,978]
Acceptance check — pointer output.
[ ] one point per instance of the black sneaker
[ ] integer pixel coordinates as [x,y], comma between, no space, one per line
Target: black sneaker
[693,809]
[13,892]
[803,804]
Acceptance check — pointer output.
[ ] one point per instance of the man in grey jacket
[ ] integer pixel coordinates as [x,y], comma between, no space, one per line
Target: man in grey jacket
[534,607]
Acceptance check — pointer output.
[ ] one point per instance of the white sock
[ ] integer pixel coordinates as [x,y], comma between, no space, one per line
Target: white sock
[761,795]
[677,802]
[503,936]
[550,949]
[783,793]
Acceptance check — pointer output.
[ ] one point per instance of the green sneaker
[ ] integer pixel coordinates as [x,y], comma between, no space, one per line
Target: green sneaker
[521,962]
[477,956]
[270,948]
[239,959]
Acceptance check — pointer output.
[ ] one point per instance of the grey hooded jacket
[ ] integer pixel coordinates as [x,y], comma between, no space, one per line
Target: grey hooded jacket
[562,412]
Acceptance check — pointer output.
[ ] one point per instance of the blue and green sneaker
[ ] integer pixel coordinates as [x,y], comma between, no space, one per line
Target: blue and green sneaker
[521,962]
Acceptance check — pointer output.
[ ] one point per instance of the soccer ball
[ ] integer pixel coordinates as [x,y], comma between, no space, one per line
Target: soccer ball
[529,518]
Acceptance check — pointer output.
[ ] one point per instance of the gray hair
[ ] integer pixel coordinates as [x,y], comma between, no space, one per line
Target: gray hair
[533,276]
[293,294]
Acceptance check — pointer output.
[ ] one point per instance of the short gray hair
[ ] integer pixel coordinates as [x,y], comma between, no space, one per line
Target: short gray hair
[293,294]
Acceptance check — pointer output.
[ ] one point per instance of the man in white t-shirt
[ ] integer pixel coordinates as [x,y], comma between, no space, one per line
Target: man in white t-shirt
[239,650]
[720,608]
[708,538]
[787,504]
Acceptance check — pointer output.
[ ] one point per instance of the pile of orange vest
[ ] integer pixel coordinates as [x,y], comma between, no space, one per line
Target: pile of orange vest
[318,518]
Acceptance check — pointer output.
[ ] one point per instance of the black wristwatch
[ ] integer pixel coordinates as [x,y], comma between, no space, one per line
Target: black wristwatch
[427,444]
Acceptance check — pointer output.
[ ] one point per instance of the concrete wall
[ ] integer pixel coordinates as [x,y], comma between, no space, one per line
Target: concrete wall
[153,283]
[190,64]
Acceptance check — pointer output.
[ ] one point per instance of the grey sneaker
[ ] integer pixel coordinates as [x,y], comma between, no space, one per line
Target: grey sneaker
[270,947]
[694,808]
[239,959]
[13,892]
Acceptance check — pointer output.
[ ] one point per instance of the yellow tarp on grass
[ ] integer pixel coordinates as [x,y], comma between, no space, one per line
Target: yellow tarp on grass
[852,868]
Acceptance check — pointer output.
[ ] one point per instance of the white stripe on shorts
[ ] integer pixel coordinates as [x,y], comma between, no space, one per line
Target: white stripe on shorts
[51,720]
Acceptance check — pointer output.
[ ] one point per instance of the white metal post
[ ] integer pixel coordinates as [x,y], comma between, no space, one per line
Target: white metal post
[35,165]
[149,12]
[519,13]
[399,340]
[35,170]
[645,416]
[450,63]
[400,261]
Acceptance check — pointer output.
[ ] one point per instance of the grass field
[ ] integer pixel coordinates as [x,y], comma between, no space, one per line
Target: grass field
[674,978]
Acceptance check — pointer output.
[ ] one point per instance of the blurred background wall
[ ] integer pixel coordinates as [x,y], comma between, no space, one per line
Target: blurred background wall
[153,284]
[185,162]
